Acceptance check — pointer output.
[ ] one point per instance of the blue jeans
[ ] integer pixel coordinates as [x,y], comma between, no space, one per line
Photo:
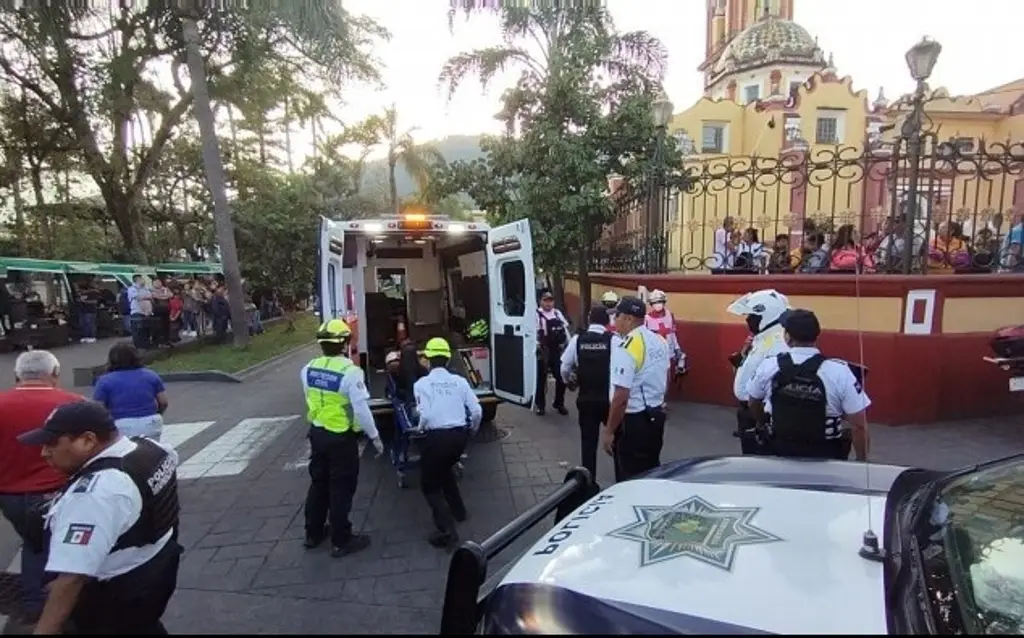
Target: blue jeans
[127,320]
[87,324]
[188,321]
[140,332]
[16,508]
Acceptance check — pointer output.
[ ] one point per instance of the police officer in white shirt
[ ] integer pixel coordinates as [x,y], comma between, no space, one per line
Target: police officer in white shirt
[639,378]
[113,531]
[449,413]
[809,397]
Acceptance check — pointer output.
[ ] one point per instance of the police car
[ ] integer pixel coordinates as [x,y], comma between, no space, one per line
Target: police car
[749,545]
[417,276]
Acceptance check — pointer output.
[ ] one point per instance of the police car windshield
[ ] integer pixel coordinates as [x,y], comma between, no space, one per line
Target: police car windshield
[973,553]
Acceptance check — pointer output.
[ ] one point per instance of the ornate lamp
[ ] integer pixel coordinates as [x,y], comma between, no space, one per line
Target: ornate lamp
[921,58]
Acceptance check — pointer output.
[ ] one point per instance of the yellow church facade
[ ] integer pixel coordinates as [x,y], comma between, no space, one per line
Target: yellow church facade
[779,138]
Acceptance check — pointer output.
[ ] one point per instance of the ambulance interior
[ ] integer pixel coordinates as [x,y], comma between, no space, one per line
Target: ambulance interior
[420,286]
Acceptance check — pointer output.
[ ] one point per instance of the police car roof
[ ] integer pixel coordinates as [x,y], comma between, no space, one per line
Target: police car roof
[709,545]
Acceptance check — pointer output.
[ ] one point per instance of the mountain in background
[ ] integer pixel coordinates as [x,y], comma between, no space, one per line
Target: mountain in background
[453,148]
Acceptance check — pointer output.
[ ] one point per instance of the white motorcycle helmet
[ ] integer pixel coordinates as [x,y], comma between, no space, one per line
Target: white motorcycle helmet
[609,300]
[762,308]
[657,296]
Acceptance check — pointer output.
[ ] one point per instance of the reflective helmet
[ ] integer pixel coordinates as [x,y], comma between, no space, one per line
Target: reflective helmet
[437,347]
[609,299]
[657,296]
[333,331]
[479,329]
[767,305]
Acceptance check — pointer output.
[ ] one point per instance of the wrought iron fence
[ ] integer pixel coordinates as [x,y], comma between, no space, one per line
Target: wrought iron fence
[914,205]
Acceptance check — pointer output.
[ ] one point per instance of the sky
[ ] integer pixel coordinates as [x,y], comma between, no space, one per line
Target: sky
[868,39]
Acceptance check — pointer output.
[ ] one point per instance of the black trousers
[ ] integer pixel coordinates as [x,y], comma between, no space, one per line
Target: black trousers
[751,441]
[440,450]
[132,603]
[551,364]
[334,475]
[834,449]
[591,415]
[638,443]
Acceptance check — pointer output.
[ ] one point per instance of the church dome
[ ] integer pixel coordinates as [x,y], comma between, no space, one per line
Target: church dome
[770,40]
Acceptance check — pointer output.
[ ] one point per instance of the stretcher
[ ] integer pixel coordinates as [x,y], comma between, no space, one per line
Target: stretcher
[406,433]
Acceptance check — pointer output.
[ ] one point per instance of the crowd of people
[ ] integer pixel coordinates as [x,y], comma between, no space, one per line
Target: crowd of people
[846,250]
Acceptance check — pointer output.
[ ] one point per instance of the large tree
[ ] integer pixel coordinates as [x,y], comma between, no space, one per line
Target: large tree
[579,113]
[403,150]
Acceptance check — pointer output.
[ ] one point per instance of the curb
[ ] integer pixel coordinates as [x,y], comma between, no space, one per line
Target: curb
[253,369]
[208,376]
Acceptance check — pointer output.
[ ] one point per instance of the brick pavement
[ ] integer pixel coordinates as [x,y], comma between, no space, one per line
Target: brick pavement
[245,569]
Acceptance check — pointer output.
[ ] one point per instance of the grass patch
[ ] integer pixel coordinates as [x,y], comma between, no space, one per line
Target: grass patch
[276,339]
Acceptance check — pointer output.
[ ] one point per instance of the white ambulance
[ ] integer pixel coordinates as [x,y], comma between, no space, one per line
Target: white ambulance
[422,276]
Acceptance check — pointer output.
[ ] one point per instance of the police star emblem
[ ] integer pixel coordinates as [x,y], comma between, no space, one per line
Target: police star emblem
[695,529]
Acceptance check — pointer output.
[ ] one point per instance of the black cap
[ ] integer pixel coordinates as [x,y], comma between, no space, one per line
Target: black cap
[631,307]
[802,325]
[71,419]
[546,295]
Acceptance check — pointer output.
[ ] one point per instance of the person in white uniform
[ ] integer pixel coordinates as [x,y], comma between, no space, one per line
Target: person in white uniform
[449,413]
[113,530]
[809,397]
[761,311]
[635,428]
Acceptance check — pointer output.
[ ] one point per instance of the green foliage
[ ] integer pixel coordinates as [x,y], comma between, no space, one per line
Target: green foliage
[580,113]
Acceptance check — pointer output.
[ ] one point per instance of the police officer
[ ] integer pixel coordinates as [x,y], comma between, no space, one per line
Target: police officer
[338,411]
[586,364]
[639,377]
[762,311]
[113,530]
[449,413]
[809,397]
[609,300]
[552,337]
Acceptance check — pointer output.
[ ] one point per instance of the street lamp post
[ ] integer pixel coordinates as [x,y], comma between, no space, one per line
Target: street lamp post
[661,109]
[921,59]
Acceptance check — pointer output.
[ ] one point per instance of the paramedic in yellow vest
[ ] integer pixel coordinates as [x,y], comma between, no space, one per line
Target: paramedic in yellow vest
[635,429]
[338,411]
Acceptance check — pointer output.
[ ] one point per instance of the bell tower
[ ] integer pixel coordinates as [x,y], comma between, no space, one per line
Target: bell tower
[728,18]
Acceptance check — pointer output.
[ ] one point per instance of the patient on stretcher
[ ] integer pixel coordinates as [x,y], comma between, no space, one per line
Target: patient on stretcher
[405,369]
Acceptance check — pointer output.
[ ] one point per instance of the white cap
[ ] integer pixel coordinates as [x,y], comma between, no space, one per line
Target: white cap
[392,357]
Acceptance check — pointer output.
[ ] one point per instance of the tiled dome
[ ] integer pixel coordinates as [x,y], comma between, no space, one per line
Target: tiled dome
[770,40]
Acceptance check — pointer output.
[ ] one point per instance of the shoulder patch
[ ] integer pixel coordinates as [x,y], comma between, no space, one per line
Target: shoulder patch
[79,534]
[85,484]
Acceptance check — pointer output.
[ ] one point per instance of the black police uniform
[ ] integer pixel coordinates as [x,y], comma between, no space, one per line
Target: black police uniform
[800,424]
[552,341]
[593,369]
[134,602]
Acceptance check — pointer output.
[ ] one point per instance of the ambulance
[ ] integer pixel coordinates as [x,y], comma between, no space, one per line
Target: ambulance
[420,276]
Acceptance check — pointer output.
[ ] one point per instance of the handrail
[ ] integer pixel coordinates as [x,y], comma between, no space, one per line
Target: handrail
[467,571]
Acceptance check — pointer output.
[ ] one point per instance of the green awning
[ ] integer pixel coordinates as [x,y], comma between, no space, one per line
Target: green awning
[190,268]
[88,268]
[31,265]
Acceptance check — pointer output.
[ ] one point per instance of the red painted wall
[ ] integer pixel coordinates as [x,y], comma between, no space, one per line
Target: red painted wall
[912,378]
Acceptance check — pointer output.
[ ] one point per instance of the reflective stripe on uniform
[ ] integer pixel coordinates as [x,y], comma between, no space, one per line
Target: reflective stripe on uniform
[327,405]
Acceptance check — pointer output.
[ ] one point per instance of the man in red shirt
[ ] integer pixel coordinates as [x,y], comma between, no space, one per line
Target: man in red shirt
[27,482]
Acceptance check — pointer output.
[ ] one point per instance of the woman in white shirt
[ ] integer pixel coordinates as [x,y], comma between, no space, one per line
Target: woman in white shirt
[750,254]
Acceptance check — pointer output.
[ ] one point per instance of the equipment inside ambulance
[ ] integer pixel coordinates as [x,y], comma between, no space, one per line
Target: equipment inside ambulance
[414,277]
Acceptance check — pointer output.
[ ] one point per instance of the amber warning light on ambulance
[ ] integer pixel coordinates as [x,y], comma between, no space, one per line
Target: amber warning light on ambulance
[415,221]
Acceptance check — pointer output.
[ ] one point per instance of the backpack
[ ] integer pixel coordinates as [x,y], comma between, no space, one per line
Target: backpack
[799,400]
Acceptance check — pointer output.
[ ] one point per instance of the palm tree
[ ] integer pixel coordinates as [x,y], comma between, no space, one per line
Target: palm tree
[555,34]
[324,31]
[415,158]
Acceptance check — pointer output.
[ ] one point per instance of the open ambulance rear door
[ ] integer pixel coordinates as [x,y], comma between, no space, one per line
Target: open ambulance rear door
[510,276]
[331,289]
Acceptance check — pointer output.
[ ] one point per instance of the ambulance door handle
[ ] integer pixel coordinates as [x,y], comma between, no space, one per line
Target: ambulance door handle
[510,330]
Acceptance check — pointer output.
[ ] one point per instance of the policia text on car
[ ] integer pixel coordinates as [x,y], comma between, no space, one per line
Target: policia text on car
[338,411]
[808,397]
[113,530]
[586,366]
[639,377]
[449,412]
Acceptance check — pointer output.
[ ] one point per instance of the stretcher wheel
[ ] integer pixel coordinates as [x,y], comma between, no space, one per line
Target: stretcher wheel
[403,482]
